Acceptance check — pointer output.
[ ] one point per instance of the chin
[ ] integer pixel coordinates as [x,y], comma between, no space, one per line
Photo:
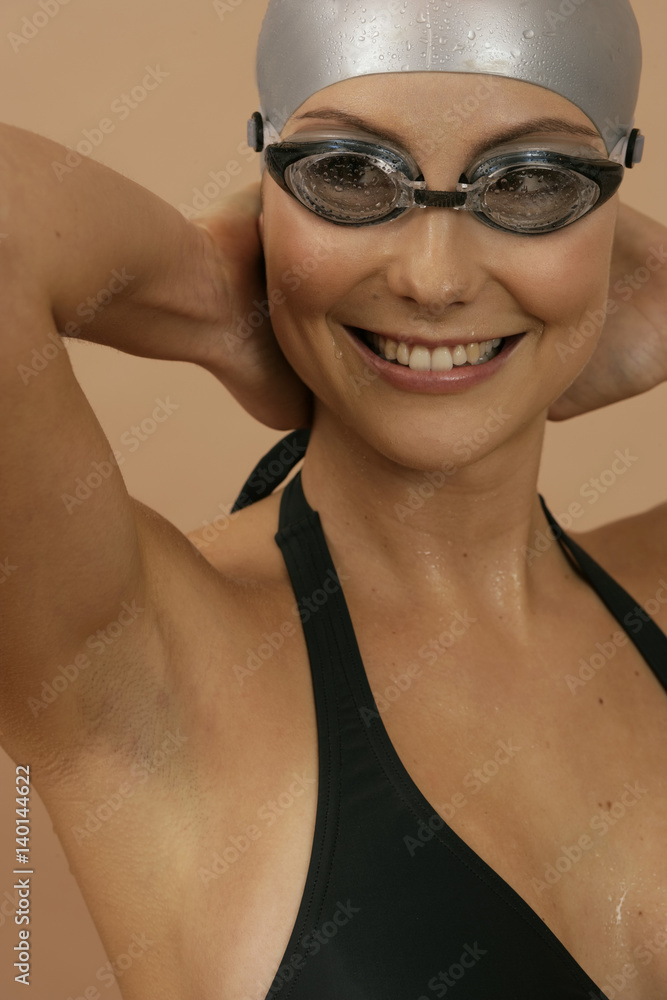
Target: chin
[425,441]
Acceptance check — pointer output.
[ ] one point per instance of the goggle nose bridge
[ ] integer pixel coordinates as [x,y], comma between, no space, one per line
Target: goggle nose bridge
[439,199]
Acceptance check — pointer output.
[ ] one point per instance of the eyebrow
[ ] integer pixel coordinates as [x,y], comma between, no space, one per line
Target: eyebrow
[529,127]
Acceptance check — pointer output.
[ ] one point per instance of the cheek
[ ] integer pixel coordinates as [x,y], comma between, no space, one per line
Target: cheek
[307,267]
[564,274]
[302,253]
[563,280]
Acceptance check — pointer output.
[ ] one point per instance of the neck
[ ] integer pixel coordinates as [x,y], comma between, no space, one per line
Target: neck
[462,534]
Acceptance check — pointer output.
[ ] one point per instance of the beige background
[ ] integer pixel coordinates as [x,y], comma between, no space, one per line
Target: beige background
[64,81]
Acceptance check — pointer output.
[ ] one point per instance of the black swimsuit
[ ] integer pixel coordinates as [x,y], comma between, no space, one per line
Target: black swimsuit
[396,906]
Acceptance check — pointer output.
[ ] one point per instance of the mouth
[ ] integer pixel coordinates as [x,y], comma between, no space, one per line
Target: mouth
[422,358]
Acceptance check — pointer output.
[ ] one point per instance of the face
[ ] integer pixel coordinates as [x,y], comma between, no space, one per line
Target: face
[436,277]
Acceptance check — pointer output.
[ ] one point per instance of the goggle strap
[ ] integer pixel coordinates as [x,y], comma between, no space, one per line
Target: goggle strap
[255,134]
[261,133]
[629,150]
[635,150]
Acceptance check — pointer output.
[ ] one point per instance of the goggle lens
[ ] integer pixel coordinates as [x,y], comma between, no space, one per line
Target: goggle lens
[538,198]
[351,188]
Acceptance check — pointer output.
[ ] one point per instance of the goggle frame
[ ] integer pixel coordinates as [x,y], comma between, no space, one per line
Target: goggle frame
[469,195]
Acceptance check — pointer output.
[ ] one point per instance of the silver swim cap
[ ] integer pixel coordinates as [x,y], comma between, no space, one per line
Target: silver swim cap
[588,51]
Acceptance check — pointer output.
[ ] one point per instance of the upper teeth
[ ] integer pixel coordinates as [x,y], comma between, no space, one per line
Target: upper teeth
[440,359]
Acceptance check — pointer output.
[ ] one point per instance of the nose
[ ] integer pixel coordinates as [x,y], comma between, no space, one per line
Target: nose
[437,258]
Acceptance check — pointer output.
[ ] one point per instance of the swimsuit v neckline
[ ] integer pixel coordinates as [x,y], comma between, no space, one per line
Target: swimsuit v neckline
[301,538]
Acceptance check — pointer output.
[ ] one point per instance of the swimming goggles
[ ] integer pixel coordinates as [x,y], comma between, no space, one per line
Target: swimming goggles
[520,187]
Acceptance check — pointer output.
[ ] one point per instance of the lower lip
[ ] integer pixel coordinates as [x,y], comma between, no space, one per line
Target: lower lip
[403,377]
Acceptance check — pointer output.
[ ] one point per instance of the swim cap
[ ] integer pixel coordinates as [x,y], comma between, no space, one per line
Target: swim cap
[588,51]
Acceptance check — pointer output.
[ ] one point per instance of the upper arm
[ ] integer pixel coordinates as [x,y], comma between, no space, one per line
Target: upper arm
[70,546]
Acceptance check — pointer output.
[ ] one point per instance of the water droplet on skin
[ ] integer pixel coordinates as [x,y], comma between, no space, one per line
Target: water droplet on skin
[471,35]
[528,33]
[338,354]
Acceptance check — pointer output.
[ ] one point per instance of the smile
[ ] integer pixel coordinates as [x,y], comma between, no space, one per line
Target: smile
[414,367]
[421,358]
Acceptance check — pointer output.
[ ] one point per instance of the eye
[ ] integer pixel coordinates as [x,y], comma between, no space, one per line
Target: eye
[352,187]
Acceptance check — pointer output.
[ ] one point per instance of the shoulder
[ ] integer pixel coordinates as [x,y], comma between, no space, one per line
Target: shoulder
[634,552]
[636,544]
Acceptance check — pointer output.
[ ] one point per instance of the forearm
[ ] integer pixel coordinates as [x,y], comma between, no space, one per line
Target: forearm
[118,265]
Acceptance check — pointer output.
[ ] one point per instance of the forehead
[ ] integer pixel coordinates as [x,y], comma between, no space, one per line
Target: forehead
[463,109]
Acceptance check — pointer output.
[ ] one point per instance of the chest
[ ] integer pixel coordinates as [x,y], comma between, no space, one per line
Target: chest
[553,775]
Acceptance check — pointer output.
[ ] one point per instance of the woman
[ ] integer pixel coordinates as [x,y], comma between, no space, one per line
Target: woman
[482,823]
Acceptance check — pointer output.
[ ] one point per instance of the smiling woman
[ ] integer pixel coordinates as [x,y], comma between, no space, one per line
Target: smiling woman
[427,324]
[366,741]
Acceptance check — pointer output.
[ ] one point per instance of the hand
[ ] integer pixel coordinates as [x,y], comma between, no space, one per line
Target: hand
[631,355]
[246,358]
